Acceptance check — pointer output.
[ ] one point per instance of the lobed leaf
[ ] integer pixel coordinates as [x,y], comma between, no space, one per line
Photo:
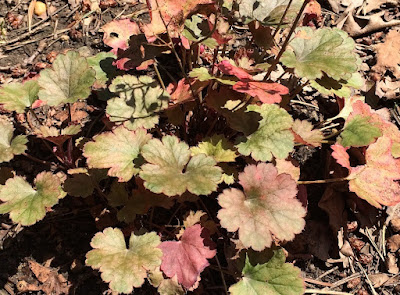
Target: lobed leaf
[102,63]
[124,268]
[269,12]
[359,131]
[217,147]
[26,204]
[268,206]
[116,150]
[376,181]
[304,133]
[273,136]
[274,277]
[138,101]
[315,52]
[9,145]
[68,81]
[19,96]
[341,88]
[187,258]
[171,170]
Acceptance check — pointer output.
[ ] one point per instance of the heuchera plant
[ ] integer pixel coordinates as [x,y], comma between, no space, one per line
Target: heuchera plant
[215,131]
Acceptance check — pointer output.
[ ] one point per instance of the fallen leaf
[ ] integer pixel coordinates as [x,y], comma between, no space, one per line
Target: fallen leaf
[388,54]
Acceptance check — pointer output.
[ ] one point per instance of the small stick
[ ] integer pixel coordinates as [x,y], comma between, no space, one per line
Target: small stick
[327,292]
[322,180]
[316,282]
[27,34]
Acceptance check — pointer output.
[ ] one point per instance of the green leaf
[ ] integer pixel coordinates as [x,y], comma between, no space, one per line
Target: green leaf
[10,146]
[124,268]
[171,170]
[116,150]
[314,52]
[273,137]
[268,12]
[272,278]
[217,147]
[341,88]
[28,205]
[197,28]
[359,131]
[139,101]
[102,63]
[18,96]
[69,80]
[202,75]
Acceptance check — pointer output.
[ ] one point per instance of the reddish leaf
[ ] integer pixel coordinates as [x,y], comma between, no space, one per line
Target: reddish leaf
[228,69]
[182,91]
[117,33]
[376,181]
[265,92]
[340,155]
[187,258]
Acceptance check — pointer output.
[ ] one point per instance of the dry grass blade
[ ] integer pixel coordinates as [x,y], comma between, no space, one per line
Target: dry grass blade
[31,9]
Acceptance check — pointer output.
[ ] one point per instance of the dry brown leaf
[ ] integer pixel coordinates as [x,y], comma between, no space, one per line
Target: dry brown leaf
[373,23]
[388,54]
[393,243]
[370,5]
[51,281]
[391,263]
[395,224]
[378,279]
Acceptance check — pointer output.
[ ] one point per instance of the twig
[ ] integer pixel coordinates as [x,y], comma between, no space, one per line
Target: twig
[29,60]
[327,272]
[23,36]
[282,18]
[368,280]
[278,57]
[222,275]
[322,180]
[345,280]
[327,292]
[316,282]
[37,160]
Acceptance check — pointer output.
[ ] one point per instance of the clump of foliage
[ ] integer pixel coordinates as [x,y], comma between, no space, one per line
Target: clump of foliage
[216,132]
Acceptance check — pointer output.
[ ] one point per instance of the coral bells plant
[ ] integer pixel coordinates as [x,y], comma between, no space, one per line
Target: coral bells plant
[184,110]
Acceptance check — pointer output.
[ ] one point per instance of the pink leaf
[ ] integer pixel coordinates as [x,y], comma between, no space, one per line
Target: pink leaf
[228,69]
[187,258]
[265,92]
[340,155]
[117,33]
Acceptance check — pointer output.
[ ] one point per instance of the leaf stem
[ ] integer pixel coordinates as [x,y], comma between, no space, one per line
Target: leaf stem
[278,57]
[322,180]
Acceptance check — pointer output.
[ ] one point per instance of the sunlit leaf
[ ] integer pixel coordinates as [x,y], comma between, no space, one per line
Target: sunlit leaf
[19,96]
[314,52]
[274,277]
[268,207]
[27,204]
[69,80]
[187,258]
[341,88]
[272,138]
[304,133]
[117,151]
[10,145]
[359,131]
[171,169]
[102,63]
[268,12]
[217,147]
[138,101]
[124,268]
